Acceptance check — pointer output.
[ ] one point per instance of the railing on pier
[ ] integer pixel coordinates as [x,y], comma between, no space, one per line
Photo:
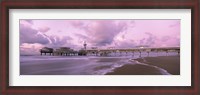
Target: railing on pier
[105,52]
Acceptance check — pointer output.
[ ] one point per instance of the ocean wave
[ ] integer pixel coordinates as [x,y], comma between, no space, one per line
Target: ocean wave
[162,71]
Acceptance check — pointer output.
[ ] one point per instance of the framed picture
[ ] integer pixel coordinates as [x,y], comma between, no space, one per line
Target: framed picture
[100,47]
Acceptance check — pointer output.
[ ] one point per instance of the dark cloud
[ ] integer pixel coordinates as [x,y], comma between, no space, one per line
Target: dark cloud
[149,41]
[142,41]
[59,42]
[125,44]
[29,35]
[81,36]
[165,38]
[102,32]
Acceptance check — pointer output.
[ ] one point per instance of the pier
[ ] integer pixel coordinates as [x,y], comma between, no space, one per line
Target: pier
[66,51]
[124,52]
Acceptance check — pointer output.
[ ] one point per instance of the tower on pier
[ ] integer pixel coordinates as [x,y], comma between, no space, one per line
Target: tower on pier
[85,45]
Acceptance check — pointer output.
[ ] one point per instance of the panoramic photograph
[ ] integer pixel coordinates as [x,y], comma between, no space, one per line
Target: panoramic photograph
[99,46]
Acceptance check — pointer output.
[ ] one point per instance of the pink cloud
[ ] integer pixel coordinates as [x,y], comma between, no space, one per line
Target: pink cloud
[102,33]
[30,49]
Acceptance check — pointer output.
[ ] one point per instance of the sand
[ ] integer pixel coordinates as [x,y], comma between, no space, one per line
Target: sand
[170,63]
[136,69]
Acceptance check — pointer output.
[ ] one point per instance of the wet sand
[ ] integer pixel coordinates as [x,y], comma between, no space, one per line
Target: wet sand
[135,69]
[169,63]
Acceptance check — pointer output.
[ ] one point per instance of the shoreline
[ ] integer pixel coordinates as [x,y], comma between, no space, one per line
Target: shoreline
[169,63]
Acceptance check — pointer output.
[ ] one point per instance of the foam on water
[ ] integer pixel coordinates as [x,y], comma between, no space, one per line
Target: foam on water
[162,71]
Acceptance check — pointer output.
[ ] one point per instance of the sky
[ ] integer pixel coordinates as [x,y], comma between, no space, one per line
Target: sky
[36,34]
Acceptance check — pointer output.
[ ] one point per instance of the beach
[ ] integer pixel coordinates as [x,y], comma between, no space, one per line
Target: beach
[150,65]
[90,65]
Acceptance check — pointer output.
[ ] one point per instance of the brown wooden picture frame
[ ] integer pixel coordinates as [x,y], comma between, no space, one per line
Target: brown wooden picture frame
[98,4]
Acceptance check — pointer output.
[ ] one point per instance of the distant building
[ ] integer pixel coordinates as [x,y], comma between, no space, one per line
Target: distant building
[46,50]
[64,48]
[65,51]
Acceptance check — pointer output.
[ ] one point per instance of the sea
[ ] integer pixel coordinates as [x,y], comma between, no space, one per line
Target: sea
[82,65]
